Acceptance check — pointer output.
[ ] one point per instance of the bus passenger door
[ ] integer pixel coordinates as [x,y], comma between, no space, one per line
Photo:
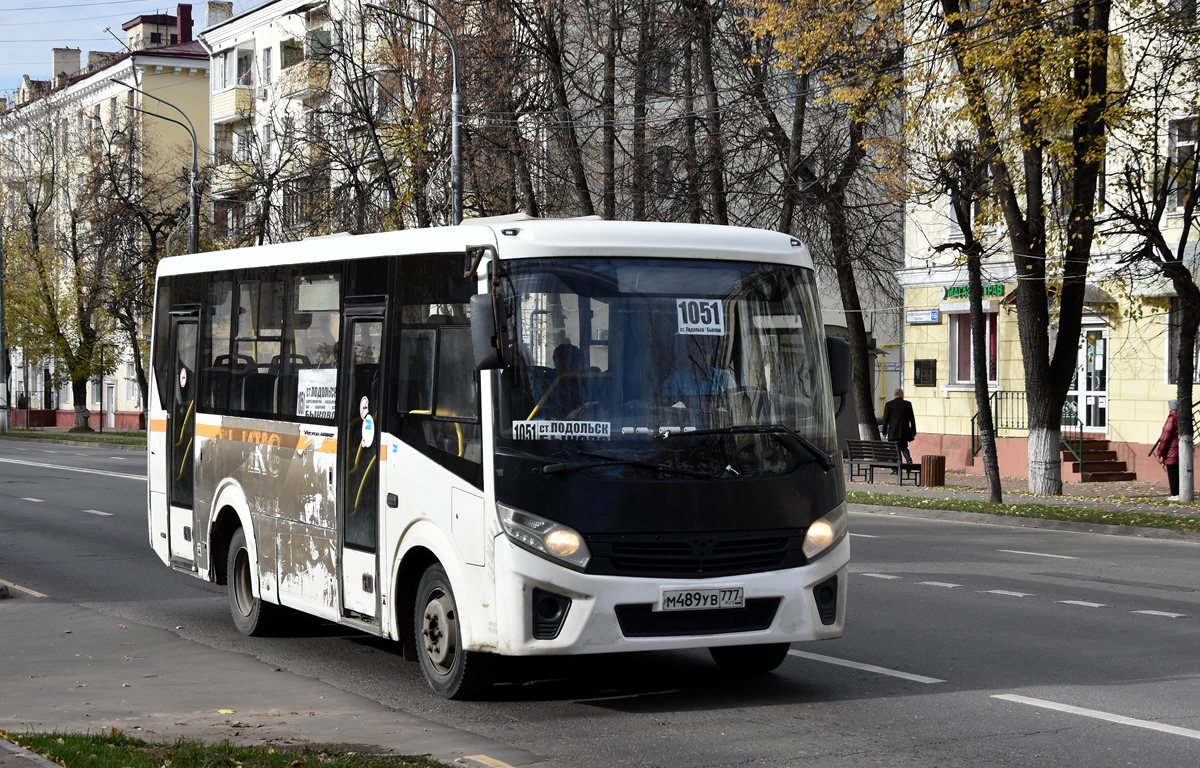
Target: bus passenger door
[181,438]
[361,394]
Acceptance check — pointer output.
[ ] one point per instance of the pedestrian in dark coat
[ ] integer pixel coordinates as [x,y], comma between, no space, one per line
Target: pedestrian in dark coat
[899,424]
[1168,449]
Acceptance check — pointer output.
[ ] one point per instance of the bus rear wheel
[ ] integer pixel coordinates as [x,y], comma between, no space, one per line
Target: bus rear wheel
[250,614]
[750,659]
[450,670]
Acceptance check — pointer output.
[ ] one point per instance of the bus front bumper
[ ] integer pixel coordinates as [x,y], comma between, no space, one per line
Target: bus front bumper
[608,614]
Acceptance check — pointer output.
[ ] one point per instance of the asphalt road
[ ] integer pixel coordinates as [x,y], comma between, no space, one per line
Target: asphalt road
[967,645]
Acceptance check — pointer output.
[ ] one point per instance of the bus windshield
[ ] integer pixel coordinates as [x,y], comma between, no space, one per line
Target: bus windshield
[617,361]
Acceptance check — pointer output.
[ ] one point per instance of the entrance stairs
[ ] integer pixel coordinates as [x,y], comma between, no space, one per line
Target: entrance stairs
[1099,463]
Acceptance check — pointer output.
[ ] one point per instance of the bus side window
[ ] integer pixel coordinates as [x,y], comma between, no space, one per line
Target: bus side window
[438,393]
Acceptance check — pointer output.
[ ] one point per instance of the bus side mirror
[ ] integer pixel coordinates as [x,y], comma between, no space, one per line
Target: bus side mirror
[486,339]
[838,350]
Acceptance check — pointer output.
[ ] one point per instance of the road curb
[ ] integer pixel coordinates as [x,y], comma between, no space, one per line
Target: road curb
[21,756]
[1026,522]
[86,443]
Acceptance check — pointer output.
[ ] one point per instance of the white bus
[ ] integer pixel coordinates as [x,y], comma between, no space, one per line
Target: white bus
[507,438]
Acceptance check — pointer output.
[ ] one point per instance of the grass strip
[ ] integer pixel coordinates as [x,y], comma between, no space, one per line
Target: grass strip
[1078,514]
[116,750]
[117,438]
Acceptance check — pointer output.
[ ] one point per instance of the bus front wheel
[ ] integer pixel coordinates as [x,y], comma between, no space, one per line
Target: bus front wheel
[250,614]
[450,670]
[750,659]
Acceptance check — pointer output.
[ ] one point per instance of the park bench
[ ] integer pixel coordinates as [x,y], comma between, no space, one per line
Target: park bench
[866,455]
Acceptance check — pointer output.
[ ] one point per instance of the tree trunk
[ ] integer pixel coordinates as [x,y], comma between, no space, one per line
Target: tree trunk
[791,178]
[637,193]
[860,354]
[712,121]
[1189,320]
[983,401]
[690,153]
[79,395]
[608,194]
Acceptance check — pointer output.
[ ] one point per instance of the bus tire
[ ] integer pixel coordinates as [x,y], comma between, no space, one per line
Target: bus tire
[250,614]
[750,659]
[450,670]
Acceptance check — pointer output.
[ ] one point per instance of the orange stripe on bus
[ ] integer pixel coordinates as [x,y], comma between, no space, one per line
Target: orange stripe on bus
[158,425]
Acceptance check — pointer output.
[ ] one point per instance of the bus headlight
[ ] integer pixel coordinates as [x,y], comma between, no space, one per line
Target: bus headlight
[825,532]
[544,537]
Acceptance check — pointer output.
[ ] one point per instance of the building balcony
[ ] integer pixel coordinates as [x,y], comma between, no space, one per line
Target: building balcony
[233,104]
[229,176]
[305,79]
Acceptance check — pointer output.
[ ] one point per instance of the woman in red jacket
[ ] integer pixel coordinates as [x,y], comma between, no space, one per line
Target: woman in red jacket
[1168,449]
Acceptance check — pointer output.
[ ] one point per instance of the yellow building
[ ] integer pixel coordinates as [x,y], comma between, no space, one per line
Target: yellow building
[47,135]
[1118,398]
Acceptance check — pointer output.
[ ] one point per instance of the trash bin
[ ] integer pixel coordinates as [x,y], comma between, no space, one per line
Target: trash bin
[933,471]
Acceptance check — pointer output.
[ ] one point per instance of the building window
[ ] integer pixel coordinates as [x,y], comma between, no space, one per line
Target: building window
[303,197]
[1184,10]
[131,385]
[961,371]
[925,373]
[291,53]
[245,68]
[1184,135]
[266,67]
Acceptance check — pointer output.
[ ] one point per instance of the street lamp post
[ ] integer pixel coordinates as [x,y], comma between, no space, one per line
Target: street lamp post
[194,196]
[456,179]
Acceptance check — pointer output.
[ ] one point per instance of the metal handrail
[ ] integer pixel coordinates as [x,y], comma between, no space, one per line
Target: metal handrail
[1010,411]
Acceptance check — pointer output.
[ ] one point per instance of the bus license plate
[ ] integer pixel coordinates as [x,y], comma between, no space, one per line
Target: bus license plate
[700,599]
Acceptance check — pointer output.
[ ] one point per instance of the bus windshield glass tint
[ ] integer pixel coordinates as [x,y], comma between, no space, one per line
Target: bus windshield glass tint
[622,358]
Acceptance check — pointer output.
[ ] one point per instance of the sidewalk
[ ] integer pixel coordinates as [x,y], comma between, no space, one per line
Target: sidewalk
[66,667]
[1130,496]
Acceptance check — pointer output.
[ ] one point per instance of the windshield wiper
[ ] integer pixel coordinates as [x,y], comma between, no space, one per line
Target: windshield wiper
[612,461]
[774,430]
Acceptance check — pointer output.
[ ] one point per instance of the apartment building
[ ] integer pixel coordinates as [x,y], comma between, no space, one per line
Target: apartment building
[50,138]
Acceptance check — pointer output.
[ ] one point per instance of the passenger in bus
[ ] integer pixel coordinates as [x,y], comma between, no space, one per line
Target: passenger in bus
[566,391]
[698,372]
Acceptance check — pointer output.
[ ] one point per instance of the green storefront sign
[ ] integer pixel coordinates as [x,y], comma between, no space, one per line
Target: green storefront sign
[964,292]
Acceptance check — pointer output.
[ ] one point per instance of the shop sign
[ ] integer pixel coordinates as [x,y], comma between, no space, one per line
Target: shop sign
[923,316]
[964,291]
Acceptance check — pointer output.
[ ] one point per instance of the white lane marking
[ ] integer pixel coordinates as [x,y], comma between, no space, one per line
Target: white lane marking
[74,469]
[117,458]
[1162,613]
[879,575]
[26,590]
[30,498]
[1097,714]
[866,667]
[864,536]
[945,584]
[1084,603]
[98,512]
[1037,554]
[1007,593]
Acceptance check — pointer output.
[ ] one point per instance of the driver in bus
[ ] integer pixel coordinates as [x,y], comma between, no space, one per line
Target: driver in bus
[698,372]
[567,393]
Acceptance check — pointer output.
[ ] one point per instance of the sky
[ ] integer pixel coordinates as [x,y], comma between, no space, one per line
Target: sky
[30,28]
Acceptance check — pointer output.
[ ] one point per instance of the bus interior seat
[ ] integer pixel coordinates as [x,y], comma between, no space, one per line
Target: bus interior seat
[258,392]
[286,388]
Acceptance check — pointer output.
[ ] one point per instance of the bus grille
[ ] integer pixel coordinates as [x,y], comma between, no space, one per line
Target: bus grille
[693,556]
[642,621]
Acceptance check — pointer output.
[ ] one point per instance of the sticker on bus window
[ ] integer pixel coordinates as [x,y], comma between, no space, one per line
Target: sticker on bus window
[700,317]
[316,392]
[561,430]
[368,432]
